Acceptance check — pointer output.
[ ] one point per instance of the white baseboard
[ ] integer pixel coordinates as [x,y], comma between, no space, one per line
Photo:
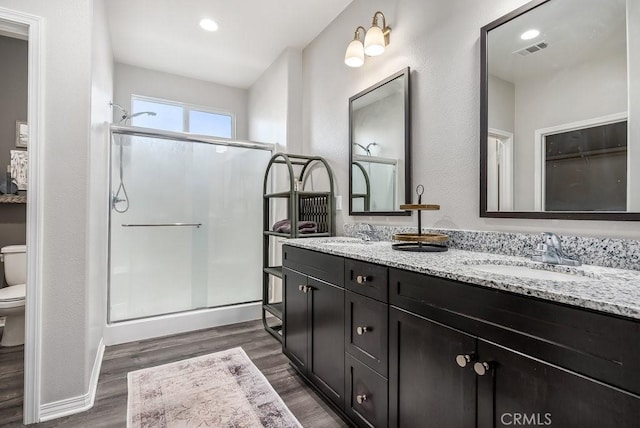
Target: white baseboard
[164,325]
[77,404]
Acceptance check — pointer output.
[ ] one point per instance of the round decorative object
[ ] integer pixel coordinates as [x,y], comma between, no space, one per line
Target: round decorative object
[423,237]
[420,242]
[420,207]
[419,247]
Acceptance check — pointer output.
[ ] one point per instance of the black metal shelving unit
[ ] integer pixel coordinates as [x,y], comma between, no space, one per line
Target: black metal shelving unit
[366,196]
[301,206]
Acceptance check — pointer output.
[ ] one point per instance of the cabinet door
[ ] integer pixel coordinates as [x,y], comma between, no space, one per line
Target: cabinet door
[427,388]
[518,390]
[326,339]
[295,315]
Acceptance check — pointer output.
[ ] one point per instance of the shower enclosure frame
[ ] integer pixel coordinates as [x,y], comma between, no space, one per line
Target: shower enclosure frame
[171,136]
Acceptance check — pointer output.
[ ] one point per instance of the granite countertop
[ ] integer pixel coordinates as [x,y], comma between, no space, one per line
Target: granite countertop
[614,291]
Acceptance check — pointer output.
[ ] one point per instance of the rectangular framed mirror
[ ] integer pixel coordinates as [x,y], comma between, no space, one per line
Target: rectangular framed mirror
[379,148]
[556,137]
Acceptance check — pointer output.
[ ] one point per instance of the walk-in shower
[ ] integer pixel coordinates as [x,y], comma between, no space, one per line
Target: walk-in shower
[191,236]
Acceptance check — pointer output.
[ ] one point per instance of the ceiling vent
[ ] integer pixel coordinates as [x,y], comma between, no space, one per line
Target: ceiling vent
[536,47]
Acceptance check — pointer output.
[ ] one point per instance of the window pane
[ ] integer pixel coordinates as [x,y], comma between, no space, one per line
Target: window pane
[168,117]
[216,125]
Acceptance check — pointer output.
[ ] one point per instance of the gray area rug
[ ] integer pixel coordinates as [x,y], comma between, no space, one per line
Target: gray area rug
[224,389]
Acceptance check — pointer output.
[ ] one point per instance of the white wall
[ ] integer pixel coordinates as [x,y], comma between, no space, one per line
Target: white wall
[440,42]
[67,64]
[275,116]
[130,80]
[275,104]
[633,45]
[502,102]
[97,196]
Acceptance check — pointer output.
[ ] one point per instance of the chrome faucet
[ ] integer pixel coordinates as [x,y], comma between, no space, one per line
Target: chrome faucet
[367,232]
[550,251]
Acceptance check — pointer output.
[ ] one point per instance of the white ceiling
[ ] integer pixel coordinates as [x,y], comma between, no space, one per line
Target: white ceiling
[164,35]
[575,30]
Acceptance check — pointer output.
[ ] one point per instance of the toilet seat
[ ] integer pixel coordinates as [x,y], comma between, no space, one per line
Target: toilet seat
[12,296]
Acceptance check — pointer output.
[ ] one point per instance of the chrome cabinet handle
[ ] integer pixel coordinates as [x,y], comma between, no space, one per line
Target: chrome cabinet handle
[362,330]
[361,279]
[301,288]
[361,398]
[481,369]
[463,359]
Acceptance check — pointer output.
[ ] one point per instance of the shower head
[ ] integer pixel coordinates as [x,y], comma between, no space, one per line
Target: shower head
[125,114]
[366,149]
[150,113]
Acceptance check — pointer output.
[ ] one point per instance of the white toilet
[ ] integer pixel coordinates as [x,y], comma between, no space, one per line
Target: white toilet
[12,296]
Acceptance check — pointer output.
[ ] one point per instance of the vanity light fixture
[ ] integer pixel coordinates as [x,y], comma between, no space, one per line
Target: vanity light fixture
[530,34]
[376,39]
[354,57]
[208,24]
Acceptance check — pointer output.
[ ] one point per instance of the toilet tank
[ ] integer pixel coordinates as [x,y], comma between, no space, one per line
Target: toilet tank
[15,264]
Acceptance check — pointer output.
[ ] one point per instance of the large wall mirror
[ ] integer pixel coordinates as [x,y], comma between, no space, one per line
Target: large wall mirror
[379,148]
[557,139]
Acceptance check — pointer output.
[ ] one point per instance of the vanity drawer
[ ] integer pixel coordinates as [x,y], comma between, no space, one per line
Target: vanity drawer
[366,331]
[367,279]
[600,346]
[366,394]
[318,265]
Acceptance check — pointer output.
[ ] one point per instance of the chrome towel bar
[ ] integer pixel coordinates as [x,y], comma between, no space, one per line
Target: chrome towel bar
[164,225]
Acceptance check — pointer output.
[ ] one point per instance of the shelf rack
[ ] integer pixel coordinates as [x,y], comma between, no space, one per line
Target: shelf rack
[302,205]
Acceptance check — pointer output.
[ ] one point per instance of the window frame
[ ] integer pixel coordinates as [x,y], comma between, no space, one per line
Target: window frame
[186,109]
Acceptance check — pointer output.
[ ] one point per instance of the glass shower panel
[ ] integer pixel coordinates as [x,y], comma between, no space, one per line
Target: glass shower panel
[228,190]
[191,235]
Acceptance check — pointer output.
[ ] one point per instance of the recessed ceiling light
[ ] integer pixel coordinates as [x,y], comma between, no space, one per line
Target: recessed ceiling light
[208,24]
[530,34]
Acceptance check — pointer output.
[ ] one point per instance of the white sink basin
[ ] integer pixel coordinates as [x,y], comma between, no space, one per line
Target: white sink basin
[528,272]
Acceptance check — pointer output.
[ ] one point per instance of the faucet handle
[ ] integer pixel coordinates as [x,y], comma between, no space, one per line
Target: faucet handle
[541,248]
[552,240]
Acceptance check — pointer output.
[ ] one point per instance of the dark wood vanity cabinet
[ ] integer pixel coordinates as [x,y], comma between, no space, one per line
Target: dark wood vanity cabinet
[313,324]
[518,386]
[423,351]
[427,388]
[464,356]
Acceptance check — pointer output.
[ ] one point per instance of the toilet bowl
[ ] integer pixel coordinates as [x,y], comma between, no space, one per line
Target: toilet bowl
[12,296]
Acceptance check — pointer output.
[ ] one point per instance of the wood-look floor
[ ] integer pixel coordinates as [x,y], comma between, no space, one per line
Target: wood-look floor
[110,407]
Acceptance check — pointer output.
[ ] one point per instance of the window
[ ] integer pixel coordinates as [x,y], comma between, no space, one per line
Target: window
[179,117]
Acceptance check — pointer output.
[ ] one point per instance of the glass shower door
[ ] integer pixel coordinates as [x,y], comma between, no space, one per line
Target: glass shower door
[185,232]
